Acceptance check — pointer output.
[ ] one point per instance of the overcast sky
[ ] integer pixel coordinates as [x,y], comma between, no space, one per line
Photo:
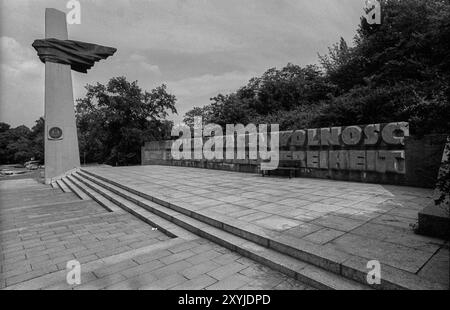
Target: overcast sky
[199,48]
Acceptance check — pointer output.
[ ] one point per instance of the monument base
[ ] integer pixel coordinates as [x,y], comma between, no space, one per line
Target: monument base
[59,177]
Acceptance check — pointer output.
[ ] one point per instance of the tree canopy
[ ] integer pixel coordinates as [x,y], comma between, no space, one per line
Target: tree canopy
[21,144]
[114,120]
[396,71]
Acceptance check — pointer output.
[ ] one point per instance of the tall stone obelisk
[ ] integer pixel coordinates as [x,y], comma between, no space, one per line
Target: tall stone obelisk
[61,141]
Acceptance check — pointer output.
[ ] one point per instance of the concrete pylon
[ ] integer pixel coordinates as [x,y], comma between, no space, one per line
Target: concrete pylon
[61,141]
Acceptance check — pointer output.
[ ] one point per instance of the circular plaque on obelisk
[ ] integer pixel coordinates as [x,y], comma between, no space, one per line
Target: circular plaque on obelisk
[55,133]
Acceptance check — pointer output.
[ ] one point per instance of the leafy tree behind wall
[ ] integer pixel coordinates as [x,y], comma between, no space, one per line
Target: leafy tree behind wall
[273,96]
[114,120]
[396,71]
[20,144]
[204,112]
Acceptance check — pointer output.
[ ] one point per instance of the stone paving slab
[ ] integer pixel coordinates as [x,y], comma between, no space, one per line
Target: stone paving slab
[116,250]
[365,220]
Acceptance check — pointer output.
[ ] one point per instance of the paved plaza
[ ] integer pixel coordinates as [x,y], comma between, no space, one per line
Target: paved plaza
[366,221]
[42,228]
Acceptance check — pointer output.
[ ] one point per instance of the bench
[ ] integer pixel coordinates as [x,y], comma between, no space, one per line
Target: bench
[291,170]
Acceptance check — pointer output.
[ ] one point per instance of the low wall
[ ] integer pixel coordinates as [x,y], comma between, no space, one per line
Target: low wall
[434,219]
[377,153]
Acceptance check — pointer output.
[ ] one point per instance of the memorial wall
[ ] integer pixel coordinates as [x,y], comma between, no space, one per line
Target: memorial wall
[375,153]
[378,148]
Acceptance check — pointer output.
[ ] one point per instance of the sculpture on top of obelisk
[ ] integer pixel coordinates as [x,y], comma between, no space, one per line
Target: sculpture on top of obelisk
[60,56]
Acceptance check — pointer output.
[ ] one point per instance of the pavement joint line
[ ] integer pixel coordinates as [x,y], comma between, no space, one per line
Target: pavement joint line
[429,259]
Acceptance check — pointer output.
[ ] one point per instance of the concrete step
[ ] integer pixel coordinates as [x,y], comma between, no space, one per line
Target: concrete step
[50,196]
[141,207]
[24,223]
[338,262]
[161,224]
[105,203]
[75,189]
[63,186]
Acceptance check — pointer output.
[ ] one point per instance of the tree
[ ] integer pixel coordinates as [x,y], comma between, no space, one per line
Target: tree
[204,112]
[343,67]
[230,109]
[286,89]
[299,118]
[20,144]
[15,143]
[37,139]
[270,96]
[398,70]
[115,119]
[4,127]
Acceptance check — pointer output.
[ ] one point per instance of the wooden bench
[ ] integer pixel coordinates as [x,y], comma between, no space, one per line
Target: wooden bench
[291,170]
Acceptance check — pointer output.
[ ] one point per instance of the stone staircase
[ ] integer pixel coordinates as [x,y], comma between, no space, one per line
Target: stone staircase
[321,269]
